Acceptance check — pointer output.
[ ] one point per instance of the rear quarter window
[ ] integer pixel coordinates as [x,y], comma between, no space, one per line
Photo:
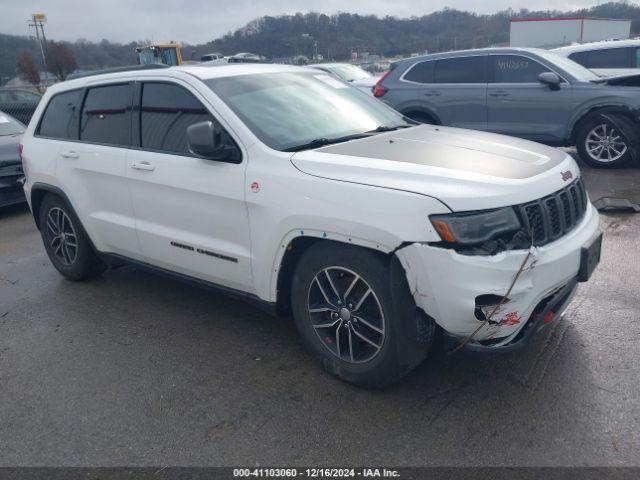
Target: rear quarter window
[60,118]
[421,72]
[579,57]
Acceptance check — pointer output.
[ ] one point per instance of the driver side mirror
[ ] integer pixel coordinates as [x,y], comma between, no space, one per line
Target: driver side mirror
[211,142]
[551,79]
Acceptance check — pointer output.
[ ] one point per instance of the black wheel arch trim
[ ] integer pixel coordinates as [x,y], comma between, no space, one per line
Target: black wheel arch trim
[38,187]
[422,110]
[632,114]
[416,106]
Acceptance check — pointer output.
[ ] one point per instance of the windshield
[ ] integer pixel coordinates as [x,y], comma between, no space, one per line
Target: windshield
[290,109]
[574,69]
[9,126]
[349,73]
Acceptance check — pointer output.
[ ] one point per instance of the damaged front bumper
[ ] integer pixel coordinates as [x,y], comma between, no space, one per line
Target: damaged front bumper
[453,288]
[550,309]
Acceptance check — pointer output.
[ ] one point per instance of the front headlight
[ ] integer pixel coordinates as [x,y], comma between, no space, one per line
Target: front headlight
[474,228]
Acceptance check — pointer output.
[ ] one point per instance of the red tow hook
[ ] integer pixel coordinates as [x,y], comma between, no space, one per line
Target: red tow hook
[548,318]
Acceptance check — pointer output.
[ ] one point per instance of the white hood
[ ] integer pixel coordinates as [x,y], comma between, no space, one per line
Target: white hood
[465,169]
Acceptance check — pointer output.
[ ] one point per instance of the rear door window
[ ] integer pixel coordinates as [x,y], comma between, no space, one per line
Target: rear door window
[461,70]
[166,112]
[421,72]
[60,119]
[106,115]
[515,69]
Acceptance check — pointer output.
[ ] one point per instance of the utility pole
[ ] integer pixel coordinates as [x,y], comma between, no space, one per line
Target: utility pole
[37,21]
[308,36]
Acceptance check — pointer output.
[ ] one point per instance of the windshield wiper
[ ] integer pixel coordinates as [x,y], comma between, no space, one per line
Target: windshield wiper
[386,128]
[320,142]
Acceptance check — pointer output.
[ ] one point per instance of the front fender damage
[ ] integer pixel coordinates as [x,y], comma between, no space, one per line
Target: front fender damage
[460,292]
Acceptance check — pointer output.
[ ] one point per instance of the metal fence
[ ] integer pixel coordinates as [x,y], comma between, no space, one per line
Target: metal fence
[20,112]
[20,103]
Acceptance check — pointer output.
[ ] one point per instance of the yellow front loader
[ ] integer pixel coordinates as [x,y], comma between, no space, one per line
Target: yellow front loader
[160,53]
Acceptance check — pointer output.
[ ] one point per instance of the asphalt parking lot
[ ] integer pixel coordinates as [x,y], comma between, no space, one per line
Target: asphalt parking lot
[136,369]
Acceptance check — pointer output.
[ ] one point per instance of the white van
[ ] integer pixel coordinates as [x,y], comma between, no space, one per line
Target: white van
[607,58]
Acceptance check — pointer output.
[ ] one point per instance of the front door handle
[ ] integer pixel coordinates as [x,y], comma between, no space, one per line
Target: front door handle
[432,93]
[499,93]
[143,165]
[69,154]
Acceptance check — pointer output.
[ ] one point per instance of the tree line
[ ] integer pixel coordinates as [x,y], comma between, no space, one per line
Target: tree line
[333,36]
[337,36]
[62,57]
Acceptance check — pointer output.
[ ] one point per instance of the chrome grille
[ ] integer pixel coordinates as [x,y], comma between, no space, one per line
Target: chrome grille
[555,215]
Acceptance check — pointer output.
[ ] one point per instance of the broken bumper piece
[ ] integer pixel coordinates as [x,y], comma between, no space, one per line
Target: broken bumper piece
[460,291]
[549,310]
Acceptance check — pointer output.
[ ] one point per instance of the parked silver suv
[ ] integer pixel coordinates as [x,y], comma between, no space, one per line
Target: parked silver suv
[528,93]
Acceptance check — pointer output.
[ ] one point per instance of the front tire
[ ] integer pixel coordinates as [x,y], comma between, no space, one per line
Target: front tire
[360,325]
[66,242]
[601,144]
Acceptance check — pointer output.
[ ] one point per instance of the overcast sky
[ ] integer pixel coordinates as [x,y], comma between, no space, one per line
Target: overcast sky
[198,21]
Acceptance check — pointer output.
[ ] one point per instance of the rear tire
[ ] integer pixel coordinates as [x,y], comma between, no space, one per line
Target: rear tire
[66,242]
[601,144]
[360,325]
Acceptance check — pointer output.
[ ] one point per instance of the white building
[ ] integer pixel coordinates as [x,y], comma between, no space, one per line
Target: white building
[557,32]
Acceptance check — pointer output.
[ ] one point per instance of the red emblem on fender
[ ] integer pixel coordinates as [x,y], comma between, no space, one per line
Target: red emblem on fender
[255,187]
[566,175]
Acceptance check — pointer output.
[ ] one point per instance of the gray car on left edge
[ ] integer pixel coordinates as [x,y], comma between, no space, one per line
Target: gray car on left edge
[527,93]
[11,174]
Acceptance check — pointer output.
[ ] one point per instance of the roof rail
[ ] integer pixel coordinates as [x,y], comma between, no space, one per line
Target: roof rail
[127,68]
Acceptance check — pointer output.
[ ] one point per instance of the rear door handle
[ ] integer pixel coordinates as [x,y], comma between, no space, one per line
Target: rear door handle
[432,93]
[69,154]
[144,165]
[499,93]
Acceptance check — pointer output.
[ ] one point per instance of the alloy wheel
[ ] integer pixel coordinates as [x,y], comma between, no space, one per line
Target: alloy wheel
[605,144]
[346,315]
[62,236]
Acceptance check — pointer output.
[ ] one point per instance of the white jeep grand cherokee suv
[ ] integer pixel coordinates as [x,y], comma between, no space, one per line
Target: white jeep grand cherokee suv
[287,186]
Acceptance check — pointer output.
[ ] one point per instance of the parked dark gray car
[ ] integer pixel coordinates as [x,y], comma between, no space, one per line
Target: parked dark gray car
[11,174]
[528,93]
